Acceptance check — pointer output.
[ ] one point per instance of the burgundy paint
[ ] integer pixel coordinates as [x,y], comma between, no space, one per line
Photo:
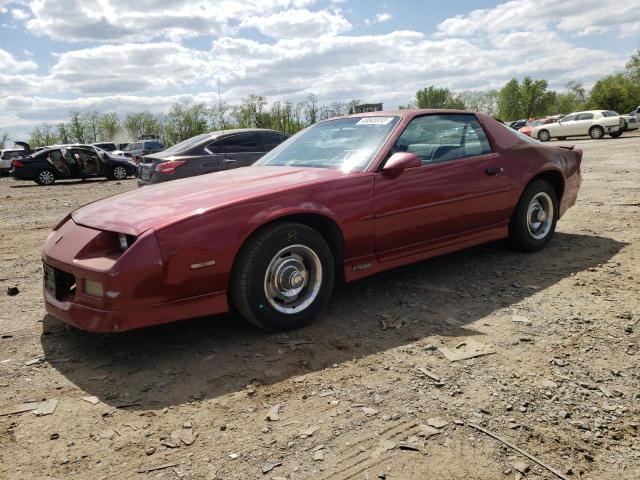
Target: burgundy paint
[386,219]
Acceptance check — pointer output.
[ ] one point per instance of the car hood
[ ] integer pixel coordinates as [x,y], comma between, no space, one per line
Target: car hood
[156,205]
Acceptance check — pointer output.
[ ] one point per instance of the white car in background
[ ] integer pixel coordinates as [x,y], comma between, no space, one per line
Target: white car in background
[595,123]
[630,122]
[7,156]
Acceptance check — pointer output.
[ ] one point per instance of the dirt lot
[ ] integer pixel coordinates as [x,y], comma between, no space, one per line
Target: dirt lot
[191,399]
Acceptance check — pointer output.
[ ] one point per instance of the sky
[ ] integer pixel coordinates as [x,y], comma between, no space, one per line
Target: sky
[122,55]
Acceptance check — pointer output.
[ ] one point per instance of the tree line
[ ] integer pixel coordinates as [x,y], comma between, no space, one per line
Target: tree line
[185,120]
[527,98]
[531,98]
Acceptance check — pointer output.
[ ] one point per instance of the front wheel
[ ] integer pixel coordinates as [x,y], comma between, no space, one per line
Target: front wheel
[283,277]
[45,177]
[534,220]
[544,135]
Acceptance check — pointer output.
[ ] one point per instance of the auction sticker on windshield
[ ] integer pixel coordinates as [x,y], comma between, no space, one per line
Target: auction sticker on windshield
[374,120]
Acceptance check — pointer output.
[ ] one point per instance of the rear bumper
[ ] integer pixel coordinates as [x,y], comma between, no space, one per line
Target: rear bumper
[109,321]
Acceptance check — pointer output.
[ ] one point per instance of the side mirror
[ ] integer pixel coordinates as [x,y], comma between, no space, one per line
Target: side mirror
[400,161]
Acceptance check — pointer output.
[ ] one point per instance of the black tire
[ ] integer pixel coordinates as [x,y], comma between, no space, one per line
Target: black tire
[249,276]
[118,172]
[544,135]
[45,177]
[617,134]
[520,236]
[596,132]
[562,138]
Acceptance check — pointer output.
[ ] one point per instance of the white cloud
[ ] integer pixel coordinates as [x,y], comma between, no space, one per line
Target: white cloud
[19,14]
[379,18]
[578,17]
[109,21]
[137,59]
[299,23]
[10,64]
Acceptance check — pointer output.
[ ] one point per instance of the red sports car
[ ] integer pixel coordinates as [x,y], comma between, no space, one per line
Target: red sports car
[347,197]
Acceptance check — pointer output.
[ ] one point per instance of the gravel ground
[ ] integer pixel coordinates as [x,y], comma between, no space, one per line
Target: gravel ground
[363,393]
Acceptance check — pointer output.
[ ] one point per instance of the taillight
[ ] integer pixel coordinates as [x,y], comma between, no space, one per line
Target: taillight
[169,167]
[17,164]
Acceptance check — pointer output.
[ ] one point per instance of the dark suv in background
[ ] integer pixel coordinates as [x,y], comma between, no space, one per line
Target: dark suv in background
[209,152]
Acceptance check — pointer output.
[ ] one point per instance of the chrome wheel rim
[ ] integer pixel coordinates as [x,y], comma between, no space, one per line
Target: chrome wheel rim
[544,135]
[120,173]
[596,133]
[540,215]
[46,177]
[293,279]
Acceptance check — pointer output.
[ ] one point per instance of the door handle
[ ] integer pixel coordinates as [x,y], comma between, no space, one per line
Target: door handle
[492,171]
[228,160]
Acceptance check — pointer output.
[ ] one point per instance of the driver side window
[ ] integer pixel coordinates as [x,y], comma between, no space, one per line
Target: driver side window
[439,138]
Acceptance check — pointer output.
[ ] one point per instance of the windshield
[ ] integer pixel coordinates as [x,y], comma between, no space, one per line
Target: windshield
[188,143]
[348,144]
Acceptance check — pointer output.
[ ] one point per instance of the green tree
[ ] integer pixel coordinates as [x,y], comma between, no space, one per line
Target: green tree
[63,133]
[42,135]
[535,100]
[142,123]
[615,92]
[184,121]
[108,126]
[77,128]
[509,103]
[432,97]
[633,68]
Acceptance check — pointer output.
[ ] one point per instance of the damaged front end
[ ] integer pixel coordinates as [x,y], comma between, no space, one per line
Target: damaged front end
[99,280]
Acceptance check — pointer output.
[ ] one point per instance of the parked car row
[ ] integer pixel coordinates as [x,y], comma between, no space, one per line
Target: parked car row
[593,123]
[206,153]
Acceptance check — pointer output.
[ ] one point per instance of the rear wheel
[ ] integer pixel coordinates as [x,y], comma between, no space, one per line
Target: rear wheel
[596,132]
[118,173]
[45,177]
[562,138]
[616,134]
[534,220]
[544,135]
[283,277]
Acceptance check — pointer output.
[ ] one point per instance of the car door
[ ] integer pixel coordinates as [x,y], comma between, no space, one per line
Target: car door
[65,166]
[240,150]
[460,188]
[582,124]
[565,126]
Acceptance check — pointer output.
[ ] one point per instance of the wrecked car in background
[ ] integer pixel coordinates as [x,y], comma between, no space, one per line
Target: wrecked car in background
[71,161]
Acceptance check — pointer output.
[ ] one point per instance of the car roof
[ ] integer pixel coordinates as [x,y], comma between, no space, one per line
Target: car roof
[405,113]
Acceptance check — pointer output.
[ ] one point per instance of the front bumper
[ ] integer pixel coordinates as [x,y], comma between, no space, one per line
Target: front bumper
[110,321]
[135,291]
